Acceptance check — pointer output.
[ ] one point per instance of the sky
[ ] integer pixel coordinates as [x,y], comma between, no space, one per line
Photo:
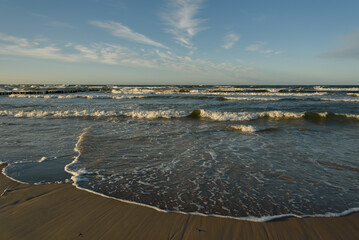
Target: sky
[179,42]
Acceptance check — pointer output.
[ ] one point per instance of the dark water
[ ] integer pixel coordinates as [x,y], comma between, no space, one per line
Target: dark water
[227,150]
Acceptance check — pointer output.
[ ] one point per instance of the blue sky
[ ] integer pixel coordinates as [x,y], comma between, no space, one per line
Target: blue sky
[179,42]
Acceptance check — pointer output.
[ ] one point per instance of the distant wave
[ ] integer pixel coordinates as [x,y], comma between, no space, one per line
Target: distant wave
[247,99]
[273,94]
[323,88]
[339,99]
[69,96]
[57,114]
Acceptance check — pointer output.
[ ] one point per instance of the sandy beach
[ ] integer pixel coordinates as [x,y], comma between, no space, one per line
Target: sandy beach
[61,211]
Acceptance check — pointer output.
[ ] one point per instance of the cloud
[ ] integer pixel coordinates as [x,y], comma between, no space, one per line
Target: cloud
[182,22]
[10,45]
[350,50]
[120,30]
[104,53]
[229,40]
[258,47]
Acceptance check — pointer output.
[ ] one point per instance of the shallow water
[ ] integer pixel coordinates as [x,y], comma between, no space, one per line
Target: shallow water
[226,150]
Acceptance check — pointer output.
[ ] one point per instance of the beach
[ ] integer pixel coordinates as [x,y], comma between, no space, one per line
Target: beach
[179,119]
[61,211]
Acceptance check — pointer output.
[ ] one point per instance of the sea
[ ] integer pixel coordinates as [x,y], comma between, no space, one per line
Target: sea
[234,151]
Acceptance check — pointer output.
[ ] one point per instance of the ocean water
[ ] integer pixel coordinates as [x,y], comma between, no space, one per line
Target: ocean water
[238,151]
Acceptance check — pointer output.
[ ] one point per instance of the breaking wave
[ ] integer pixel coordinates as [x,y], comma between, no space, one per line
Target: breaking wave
[339,100]
[343,89]
[176,114]
[243,128]
[274,115]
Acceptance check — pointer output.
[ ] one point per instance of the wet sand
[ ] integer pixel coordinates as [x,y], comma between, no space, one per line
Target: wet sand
[61,211]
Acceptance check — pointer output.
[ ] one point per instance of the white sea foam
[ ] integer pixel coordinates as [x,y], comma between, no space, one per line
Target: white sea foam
[250,99]
[356,116]
[235,89]
[321,88]
[57,114]
[77,176]
[339,100]
[245,116]
[155,114]
[167,114]
[43,159]
[272,94]
[224,91]
[227,116]
[133,90]
[281,114]
[60,96]
[353,94]
[244,128]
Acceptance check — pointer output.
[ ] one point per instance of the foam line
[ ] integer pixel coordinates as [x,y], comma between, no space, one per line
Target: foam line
[76,177]
[6,175]
[247,218]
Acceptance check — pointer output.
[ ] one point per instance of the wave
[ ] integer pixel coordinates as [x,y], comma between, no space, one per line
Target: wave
[247,99]
[353,94]
[339,89]
[70,96]
[176,114]
[273,115]
[273,94]
[43,159]
[75,96]
[155,114]
[243,128]
[79,175]
[57,114]
[339,100]
[243,116]
[209,91]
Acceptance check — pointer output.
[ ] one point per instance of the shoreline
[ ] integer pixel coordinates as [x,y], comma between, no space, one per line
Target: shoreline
[62,211]
[75,175]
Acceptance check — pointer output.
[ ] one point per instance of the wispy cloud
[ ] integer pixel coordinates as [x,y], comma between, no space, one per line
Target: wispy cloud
[349,50]
[183,24]
[11,45]
[112,54]
[260,48]
[122,31]
[229,40]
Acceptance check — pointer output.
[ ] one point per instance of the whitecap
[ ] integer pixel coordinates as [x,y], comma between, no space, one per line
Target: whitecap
[243,128]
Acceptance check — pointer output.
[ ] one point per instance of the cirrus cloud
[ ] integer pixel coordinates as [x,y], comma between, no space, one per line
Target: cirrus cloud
[105,53]
[229,40]
[122,31]
[182,22]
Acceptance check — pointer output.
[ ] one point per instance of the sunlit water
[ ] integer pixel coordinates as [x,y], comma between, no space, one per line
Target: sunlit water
[226,150]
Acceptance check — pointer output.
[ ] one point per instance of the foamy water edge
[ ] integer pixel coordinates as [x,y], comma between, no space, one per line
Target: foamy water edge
[248,218]
[77,177]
